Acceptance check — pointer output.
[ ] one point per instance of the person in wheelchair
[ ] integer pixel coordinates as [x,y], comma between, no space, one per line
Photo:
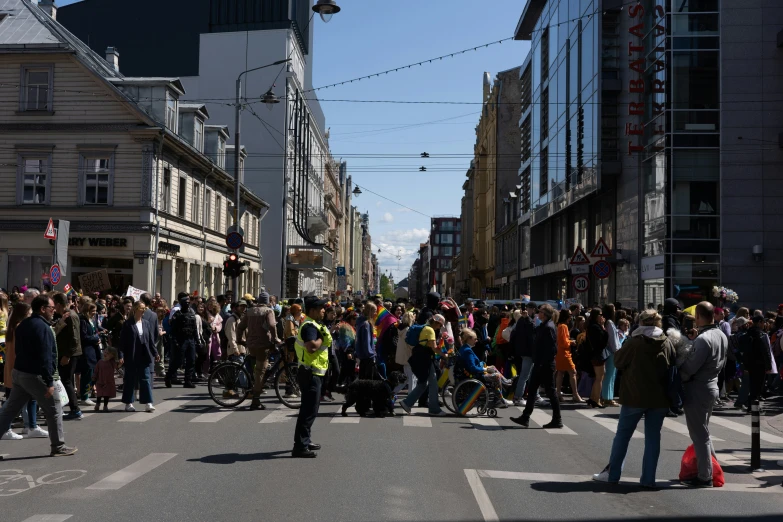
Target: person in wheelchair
[475,369]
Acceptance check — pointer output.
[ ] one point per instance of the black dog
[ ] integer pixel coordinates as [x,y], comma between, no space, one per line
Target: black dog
[370,394]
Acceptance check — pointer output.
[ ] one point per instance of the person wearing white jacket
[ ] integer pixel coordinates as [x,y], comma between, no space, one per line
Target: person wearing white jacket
[404,352]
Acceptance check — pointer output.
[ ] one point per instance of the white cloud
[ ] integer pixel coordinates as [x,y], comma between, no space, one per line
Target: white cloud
[403,210]
[409,237]
[387,217]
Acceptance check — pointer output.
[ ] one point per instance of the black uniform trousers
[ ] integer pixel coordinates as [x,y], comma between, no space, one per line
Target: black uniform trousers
[310,388]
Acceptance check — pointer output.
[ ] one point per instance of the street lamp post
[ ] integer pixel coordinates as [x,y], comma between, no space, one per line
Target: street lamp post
[237,145]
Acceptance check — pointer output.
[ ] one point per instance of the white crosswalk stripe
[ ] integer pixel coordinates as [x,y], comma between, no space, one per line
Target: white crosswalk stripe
[214,415]
[279,414]
[130,473]
[682,429]
[113,405]
[337,418]
[160,409]
[419,419]
[541,418]
[47,518]
[744,428]
[485,423]
[609,423]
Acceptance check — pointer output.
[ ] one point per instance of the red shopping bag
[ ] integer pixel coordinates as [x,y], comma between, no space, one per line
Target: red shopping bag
[689,468]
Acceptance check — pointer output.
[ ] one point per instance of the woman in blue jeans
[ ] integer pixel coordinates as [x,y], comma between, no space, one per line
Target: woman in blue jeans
[645,360]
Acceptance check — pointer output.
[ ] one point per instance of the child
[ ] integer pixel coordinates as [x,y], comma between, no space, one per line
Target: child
[104,379]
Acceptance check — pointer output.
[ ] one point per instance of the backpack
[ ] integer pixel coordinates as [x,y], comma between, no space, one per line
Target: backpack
[412,337]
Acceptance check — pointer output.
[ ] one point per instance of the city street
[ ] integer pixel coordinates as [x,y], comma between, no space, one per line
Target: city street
[192,461]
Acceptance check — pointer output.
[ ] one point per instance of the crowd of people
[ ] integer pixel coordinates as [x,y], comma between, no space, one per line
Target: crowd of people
[68,350]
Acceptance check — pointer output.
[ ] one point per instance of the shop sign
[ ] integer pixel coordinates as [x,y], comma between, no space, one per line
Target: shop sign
[639,67]
[493,290]
[97,281]
[118,242]
[652,267]
[168,248]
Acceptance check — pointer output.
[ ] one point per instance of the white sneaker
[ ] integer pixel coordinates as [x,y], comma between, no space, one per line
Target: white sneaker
[87,402]
[603,476]
[506,402]
[520,402]
[35,433]
[150,407]
[129,407]
[10,435]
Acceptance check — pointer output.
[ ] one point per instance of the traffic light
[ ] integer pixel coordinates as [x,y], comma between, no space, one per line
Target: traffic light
[231,266]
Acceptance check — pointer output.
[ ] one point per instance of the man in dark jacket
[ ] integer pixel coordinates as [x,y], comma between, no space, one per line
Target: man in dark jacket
[544,351]
[757,359]
[185,331]
[671,320]
[69,346]
[432,308]
[522,339]
[35,371]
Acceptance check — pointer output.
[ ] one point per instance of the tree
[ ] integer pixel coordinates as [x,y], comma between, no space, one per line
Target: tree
[386,289]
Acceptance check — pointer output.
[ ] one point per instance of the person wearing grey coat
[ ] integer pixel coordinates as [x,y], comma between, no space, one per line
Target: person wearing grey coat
[699,373]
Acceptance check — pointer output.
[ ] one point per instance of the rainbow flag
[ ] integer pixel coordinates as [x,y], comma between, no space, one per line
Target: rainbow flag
[383,320]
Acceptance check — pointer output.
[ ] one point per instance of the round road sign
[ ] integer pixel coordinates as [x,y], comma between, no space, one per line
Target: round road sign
[581,283]
[234,240]
[55,274]
[602,269]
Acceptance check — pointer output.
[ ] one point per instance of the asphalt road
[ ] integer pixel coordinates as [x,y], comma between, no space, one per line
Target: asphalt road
[192,461]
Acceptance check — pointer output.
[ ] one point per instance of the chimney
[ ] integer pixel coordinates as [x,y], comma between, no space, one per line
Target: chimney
[113,57]
[49,8]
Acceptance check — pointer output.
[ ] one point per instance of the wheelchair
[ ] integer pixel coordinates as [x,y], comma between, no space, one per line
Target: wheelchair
[468,396]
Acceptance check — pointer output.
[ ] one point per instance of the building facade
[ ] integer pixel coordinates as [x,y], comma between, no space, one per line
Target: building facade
[287,149]
[445,241]
[139,175]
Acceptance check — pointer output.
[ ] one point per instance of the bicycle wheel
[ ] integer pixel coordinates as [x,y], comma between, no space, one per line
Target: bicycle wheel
[229,384]
[447,395]
[470,398]
[287,386]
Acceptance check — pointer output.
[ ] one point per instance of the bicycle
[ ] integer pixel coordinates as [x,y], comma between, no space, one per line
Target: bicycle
[231,382]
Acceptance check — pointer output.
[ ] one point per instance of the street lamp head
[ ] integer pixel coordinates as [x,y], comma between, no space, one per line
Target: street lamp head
[270,100]
[326,8]
[357,191]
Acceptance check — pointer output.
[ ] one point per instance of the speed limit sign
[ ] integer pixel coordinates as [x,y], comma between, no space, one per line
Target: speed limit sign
[581,283]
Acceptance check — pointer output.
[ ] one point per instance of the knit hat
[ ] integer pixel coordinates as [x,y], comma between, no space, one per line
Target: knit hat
[263,298]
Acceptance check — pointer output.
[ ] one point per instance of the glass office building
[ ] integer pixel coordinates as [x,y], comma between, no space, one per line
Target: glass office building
[620,125]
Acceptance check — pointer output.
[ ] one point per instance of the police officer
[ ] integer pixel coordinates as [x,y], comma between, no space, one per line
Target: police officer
[312,350]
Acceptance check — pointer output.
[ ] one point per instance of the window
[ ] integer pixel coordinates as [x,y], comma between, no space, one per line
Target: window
[544,174]
[171,112]
[166,203]
[447,251]
[208,208]
[218,212]
[181,197]
[195,202]
[198,135]
[36,89]
[221,153]
[34,179]
[96,178]
[446,239]
[435,251]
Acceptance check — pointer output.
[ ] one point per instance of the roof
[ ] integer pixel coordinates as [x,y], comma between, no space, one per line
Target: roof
[527,21]
[218,128]
[143,80]
[27,28]
[21,27]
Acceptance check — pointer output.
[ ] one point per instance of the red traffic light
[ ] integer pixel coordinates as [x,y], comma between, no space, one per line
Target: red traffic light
[232,257]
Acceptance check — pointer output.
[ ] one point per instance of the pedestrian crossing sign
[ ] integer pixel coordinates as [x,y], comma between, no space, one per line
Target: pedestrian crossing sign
[579,257]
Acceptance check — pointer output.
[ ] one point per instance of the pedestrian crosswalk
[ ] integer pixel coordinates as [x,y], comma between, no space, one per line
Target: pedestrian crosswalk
[723,427]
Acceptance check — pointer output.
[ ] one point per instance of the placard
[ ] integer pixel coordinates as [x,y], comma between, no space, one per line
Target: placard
[134,292]
[97,281]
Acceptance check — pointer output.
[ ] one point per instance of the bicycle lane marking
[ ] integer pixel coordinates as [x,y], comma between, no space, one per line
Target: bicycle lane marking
[20,482]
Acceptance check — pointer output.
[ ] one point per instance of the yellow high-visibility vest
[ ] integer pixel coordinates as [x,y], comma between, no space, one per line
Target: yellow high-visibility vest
[317,362]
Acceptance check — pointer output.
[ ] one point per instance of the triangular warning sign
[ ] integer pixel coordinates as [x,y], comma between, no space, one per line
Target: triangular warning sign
[601,249]
[579,257]
[50,233]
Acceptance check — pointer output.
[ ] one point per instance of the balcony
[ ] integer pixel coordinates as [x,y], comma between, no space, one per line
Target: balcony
[318,259]
[317,222]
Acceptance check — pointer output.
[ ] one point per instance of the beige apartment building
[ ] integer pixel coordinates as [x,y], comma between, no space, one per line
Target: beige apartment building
[140,176]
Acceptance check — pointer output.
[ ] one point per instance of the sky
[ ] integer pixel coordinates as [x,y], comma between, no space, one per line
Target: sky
[370,36]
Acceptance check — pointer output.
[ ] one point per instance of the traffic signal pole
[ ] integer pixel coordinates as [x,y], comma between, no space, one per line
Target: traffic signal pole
[237,181]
